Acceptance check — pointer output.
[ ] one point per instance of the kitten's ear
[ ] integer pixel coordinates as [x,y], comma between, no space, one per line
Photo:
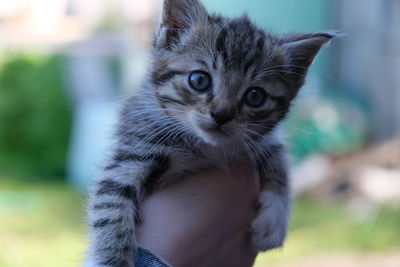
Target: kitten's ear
[302,49]
[182,13]
[177,17]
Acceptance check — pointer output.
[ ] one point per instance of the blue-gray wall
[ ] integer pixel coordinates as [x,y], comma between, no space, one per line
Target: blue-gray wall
[278,15]
[284,16]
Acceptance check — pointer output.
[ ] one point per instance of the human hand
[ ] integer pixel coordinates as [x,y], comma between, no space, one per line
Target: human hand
[202,221]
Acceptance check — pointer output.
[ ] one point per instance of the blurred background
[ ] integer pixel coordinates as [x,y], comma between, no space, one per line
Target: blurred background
[66,65]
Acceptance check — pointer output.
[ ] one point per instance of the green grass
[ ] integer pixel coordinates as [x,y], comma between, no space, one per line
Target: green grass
[42,225]
[330,228]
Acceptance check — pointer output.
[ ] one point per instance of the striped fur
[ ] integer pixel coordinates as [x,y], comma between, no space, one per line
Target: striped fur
[168,130]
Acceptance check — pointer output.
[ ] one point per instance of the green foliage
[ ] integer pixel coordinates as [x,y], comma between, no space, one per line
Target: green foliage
[327,126]
[34,116]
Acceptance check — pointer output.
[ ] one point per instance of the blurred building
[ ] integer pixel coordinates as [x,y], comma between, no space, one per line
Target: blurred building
[369,59]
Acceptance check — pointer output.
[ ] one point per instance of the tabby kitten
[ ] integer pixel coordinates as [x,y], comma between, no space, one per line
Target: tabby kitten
[216,91]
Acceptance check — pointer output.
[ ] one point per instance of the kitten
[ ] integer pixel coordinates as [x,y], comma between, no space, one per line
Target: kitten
[216,91]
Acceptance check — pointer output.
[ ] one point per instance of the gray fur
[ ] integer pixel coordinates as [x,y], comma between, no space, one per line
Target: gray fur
[163,131]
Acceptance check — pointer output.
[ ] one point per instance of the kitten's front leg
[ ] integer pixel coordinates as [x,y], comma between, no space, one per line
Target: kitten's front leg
[114,206]
[269,228]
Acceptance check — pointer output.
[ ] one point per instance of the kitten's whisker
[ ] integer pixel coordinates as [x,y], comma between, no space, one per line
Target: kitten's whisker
[281,35]
[153,134]
[202,115]
[281,71]
[255,133]
[166,129]
[263,155]
[252,158]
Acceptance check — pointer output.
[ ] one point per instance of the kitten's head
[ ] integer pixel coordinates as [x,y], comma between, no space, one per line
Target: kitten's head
[225,79]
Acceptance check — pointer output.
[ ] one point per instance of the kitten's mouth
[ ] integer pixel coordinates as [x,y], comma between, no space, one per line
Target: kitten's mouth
[215,130]
[210,132]
[214,135]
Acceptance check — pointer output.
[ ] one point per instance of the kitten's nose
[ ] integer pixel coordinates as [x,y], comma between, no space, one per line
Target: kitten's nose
[221,116]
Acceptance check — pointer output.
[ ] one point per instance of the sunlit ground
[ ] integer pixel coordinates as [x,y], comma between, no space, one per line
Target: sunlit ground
[40,225]
[43,225]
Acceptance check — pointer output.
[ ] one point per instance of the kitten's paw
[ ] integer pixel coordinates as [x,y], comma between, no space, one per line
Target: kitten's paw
[270,226]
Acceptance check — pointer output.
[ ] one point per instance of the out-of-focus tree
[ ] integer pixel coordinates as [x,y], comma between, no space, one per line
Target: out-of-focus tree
[34,116]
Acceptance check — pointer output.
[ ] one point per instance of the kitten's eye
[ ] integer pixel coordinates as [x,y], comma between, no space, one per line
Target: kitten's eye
[255,97]
[200,81]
